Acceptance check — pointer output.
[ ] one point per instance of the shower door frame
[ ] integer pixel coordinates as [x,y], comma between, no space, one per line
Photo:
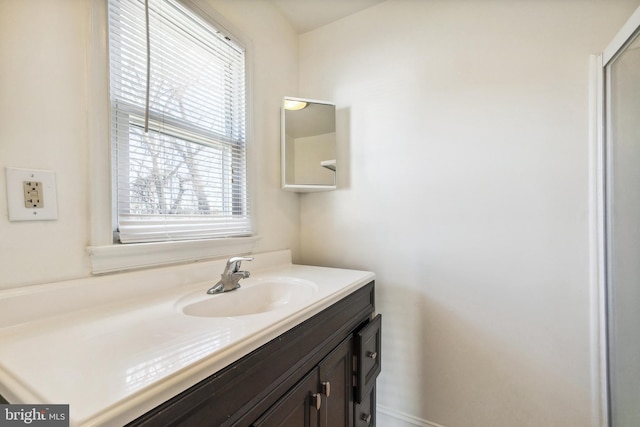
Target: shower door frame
[600,179]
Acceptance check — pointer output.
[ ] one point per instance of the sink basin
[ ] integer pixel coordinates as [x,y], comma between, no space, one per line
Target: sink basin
[253,297]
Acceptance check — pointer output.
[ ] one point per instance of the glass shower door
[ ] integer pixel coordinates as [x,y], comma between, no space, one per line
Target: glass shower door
[622,216]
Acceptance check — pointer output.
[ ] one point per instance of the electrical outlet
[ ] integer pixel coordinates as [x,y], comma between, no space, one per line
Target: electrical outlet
[31,195]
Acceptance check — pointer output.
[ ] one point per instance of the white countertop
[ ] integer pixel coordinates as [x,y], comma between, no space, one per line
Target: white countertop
[113,354]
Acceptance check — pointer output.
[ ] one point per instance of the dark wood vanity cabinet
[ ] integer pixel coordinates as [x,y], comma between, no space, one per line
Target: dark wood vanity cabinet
[321,373]
[323,398]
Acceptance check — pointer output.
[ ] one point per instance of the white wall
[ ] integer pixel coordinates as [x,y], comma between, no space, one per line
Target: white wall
[45,108]
[43,125]
[464,125]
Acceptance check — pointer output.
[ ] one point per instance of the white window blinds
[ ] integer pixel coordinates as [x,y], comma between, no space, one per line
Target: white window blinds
[177,126]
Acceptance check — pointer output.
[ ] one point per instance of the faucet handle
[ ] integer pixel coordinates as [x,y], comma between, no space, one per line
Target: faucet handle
[234,263]
[240,259]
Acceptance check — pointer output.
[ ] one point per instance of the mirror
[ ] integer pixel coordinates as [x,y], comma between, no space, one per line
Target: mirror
[308,145]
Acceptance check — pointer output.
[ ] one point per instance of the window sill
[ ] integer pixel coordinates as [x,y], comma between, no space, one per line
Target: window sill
[119,257]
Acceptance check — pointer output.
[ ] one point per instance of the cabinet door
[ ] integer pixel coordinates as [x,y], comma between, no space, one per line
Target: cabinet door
[336,383]
[300,407]
[369,351]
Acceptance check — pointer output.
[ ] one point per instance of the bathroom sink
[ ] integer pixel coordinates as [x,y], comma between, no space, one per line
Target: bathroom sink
[253,297]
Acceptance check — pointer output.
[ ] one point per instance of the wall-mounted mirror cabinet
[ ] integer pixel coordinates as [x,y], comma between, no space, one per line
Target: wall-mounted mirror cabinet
[308,145]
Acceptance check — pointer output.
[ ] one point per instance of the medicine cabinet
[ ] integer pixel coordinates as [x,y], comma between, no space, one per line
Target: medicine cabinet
[308,145]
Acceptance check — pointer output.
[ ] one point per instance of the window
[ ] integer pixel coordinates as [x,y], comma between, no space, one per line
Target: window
[177,91]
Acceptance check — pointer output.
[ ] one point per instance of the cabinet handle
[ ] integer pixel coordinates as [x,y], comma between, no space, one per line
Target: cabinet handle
[366,418]
[372,354]
[326,388]
[318,400]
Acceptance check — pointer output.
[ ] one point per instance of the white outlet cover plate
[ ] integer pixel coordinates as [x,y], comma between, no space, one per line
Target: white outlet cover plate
[15,195]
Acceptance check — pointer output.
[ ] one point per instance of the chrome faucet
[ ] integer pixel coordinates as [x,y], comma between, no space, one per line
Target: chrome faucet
[231,276]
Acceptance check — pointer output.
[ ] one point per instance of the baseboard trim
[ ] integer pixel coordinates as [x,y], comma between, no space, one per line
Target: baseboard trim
[405,417]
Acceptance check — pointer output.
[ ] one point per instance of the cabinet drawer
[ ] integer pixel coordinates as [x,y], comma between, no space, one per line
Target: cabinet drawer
[368,347]
[365,411]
